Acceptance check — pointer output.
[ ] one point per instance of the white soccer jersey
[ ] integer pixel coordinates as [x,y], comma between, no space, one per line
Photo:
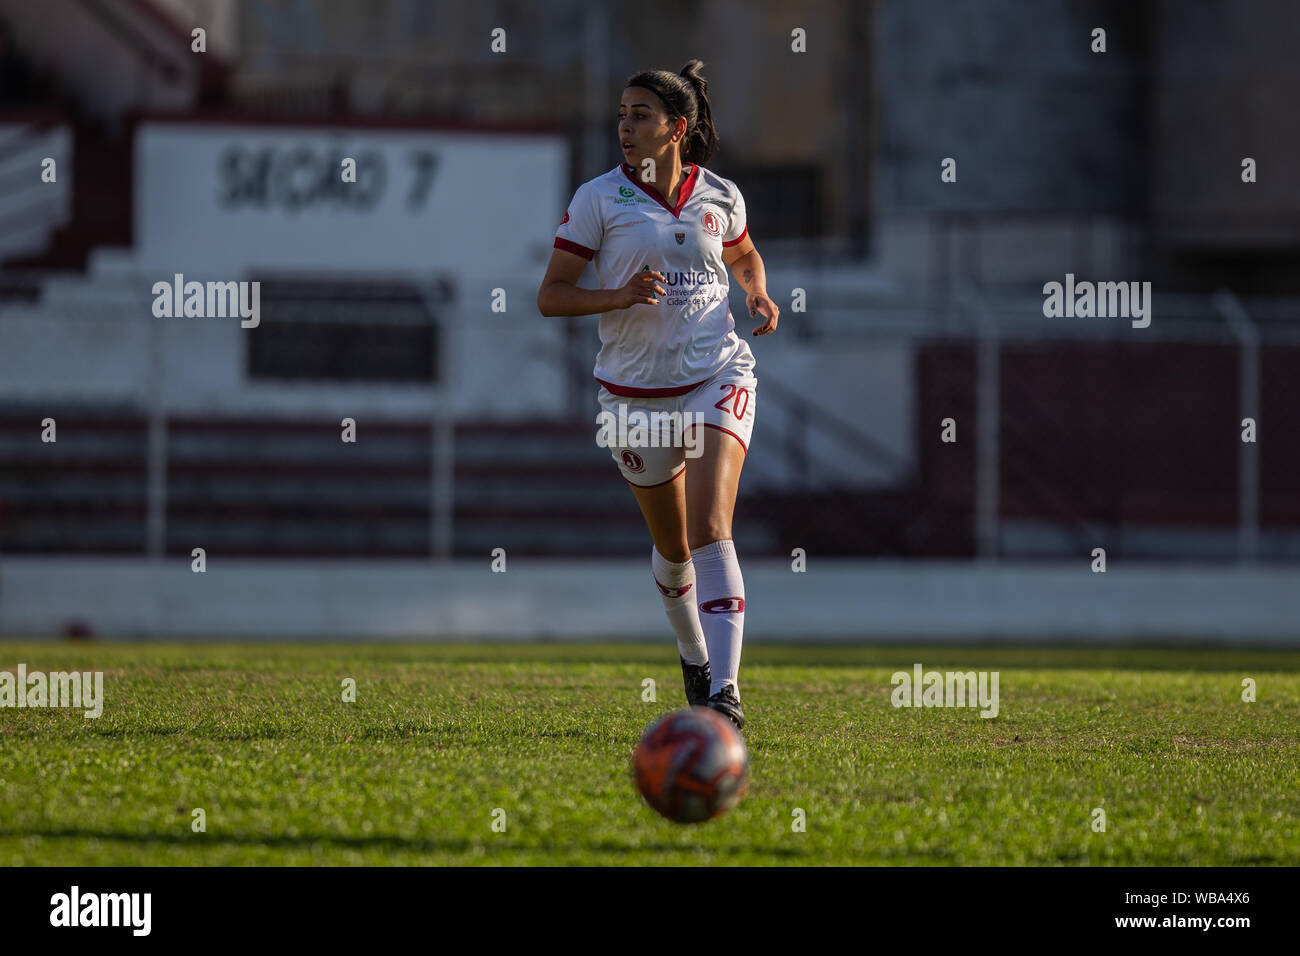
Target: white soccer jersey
[624,225]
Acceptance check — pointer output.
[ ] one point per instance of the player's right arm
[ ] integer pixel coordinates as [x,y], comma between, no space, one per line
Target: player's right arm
[578,239]
[560,294]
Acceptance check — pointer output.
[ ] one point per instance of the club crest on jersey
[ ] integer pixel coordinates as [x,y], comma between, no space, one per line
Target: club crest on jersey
[632,462]
[680,237]
[712,224]
[724,605]
[566,217]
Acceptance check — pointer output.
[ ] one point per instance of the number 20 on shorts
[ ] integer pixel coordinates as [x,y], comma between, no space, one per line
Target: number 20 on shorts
[738,408]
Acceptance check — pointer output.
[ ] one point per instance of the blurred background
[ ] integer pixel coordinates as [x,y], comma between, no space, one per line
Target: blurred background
[405,301]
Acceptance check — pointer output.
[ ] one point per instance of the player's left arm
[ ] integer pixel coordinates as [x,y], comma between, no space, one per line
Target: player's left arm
[747,266]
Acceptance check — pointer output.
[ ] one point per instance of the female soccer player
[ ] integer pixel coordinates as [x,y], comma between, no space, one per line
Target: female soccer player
[663,231]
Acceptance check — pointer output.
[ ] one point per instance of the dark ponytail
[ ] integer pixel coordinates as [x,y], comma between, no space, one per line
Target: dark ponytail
[685,94]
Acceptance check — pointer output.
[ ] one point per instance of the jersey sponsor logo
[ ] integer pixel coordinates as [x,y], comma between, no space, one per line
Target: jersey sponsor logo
[566,217]
[694,277]
[724,605]
[712,224]
[694,290]
[718,202]
[680,237]
[672,592]
[633,463]
[625,192]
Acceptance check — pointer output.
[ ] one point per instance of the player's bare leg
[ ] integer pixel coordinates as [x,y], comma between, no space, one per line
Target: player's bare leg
[664,509]
[711,483]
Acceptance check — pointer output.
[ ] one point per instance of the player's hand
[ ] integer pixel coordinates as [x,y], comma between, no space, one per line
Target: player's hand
[759,303]
[641,289]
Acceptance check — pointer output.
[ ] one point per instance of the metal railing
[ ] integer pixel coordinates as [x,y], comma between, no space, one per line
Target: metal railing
[94,341]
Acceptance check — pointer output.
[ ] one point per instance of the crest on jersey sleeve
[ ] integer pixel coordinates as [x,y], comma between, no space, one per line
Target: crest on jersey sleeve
[566,217]
[712,224]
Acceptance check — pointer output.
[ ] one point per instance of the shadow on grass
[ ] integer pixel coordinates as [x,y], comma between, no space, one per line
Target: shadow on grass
[430,845]
[1009,655]
[892,653]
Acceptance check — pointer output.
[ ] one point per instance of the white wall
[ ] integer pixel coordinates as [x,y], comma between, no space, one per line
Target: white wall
[547,598]
[215,201]
[93,340]
[993,250]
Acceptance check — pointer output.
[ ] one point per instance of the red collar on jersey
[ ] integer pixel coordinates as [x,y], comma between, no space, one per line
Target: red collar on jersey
[688,186]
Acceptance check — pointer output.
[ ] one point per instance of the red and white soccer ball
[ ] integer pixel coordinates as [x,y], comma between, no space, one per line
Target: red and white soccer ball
[691,765]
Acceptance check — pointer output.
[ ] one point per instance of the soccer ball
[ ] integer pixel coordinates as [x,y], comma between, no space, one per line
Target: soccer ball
[691,765]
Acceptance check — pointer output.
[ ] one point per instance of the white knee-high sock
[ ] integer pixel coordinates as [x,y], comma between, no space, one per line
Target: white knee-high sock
[677,588]
[722,609]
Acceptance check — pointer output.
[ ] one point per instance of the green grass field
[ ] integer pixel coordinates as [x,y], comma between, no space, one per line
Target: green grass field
[442,735]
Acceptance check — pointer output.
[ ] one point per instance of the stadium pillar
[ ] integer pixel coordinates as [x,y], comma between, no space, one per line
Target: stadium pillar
[1248,406]
[156,449]
[987,425]
[442,424]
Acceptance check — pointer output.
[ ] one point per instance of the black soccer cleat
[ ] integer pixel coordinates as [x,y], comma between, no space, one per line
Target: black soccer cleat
[697,679]
[727,704]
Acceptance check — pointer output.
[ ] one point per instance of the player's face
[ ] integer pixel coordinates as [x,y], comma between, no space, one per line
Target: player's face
[644,129]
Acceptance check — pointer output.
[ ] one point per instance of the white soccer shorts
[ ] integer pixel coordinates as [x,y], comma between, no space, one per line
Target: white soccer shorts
[651,439]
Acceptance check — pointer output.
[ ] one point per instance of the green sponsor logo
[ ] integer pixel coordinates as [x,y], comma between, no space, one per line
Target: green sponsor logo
[625,192]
